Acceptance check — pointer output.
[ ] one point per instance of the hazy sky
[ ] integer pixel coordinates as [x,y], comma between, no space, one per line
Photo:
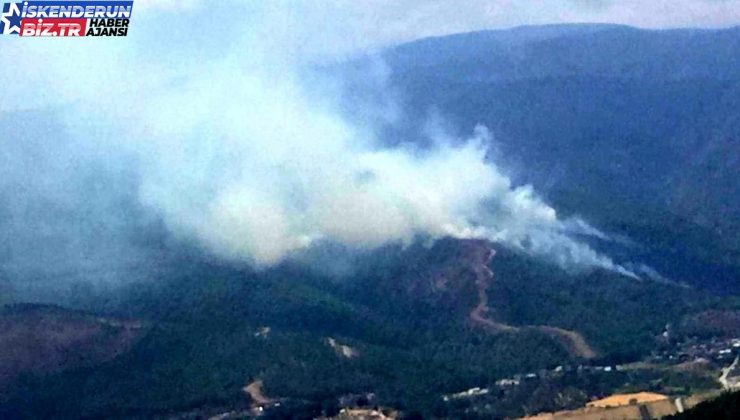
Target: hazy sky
[348,25]
[233,148]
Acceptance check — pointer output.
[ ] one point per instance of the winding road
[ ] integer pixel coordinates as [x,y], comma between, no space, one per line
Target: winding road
[571,340]
[478,316]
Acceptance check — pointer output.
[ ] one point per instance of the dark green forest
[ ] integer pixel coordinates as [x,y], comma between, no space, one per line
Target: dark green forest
[202,347]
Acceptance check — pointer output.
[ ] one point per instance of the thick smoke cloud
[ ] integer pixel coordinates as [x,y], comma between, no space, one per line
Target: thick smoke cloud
[231,145]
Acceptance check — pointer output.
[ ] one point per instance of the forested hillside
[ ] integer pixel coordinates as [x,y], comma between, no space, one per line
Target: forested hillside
[404,313]
[634,130]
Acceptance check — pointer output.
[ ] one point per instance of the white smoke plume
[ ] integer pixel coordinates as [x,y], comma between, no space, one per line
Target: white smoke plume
[234,149]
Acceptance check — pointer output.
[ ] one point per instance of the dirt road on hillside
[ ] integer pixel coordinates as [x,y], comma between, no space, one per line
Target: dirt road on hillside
[478,316]
[571,340]
[255,392]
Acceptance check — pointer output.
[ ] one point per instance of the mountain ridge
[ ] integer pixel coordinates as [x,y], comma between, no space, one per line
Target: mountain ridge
[634,130]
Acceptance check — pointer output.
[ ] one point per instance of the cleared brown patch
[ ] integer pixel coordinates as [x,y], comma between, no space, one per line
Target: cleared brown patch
[627,399]
[254,390]
[638,406]
[39,339]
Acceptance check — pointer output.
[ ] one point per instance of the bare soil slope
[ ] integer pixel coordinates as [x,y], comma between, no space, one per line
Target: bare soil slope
[37,339]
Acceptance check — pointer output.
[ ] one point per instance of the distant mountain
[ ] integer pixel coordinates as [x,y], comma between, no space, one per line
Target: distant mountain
[636,130]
